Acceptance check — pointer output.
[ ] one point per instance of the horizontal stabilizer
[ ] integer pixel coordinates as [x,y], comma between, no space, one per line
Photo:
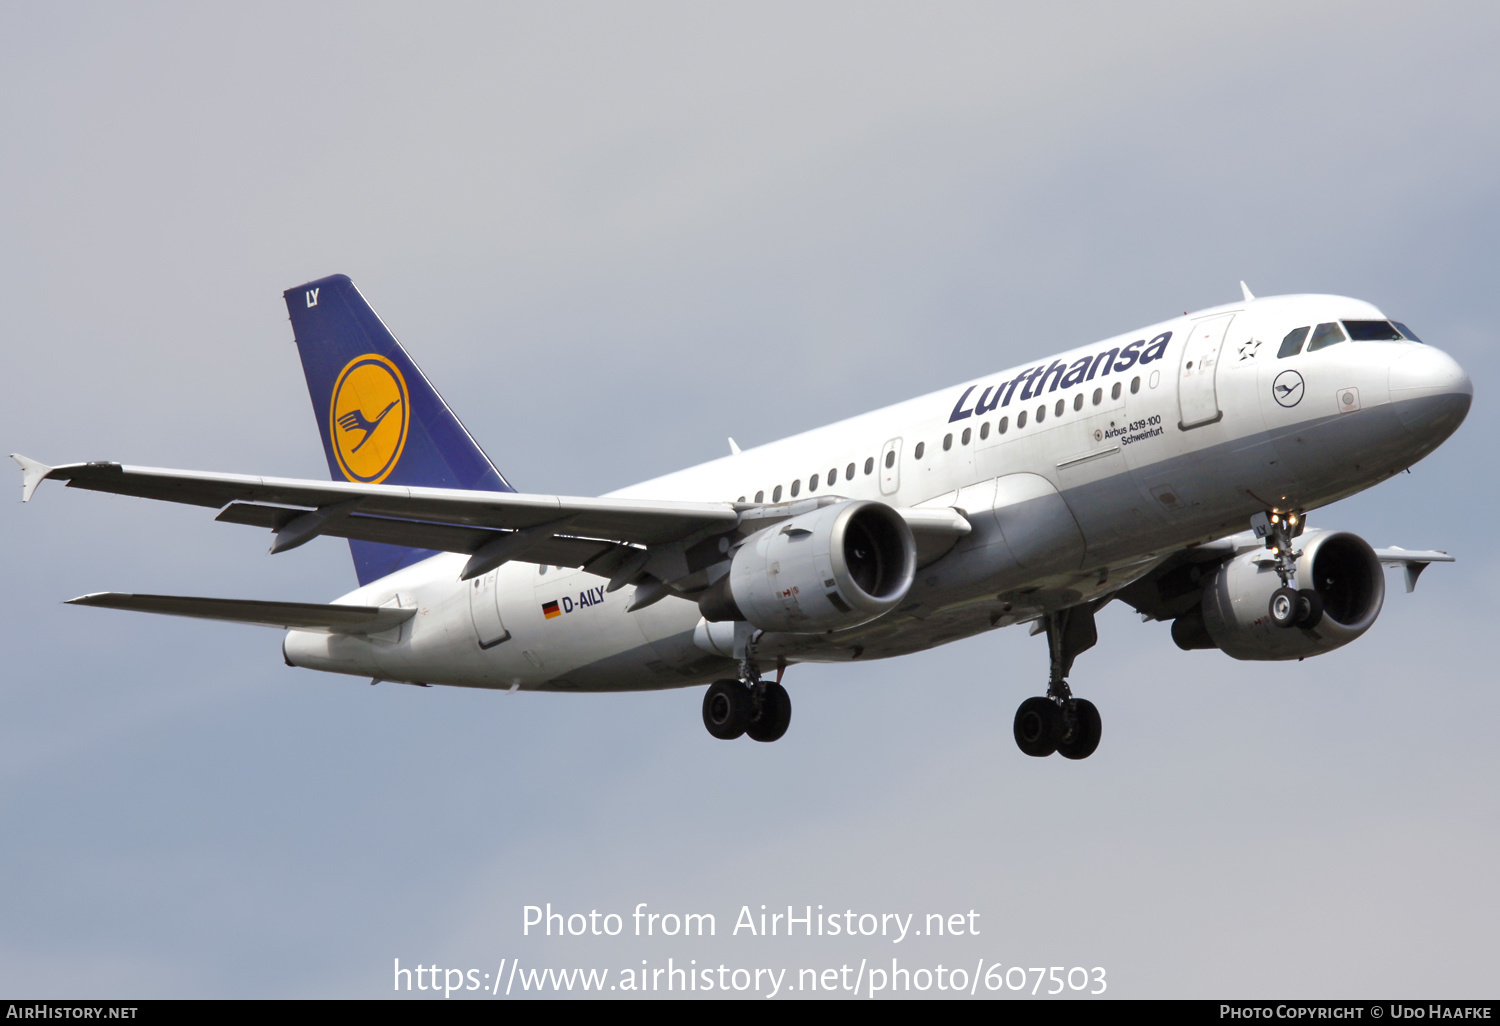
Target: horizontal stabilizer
[300,616]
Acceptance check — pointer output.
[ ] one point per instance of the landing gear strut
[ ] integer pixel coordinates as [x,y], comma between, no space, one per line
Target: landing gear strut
[1289,607]
[759,708]
[1059,722]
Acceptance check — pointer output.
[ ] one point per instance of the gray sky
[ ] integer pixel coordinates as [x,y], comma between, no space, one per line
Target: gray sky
[613,235]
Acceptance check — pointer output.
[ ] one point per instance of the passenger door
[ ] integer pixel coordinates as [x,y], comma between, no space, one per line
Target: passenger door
[484,608]
[1197,400]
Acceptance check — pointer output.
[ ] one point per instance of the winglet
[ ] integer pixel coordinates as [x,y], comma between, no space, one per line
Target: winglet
[1246,290]
[32,474]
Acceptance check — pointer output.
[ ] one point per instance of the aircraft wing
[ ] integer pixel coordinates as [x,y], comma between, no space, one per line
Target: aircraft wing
[301,616]
[643,521]
[1413,562]
[617,538]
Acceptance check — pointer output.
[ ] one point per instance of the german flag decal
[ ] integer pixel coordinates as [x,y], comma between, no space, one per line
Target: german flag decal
[549,610]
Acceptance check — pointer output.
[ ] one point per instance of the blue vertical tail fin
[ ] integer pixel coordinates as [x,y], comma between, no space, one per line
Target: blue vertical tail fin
[381,420]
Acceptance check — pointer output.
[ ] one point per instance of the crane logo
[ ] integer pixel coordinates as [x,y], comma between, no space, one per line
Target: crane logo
[1288,389]
[368,418]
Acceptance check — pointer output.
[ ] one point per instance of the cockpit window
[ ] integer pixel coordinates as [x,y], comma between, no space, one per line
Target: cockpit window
[1408,332]
[1325,335]
[1292,344]
[1371,331]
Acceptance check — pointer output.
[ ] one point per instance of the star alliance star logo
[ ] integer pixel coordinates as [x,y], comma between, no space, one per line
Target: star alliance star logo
[1249,349]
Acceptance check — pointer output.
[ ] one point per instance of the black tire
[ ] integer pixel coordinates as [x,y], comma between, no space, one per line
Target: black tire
[1038,727]
[772,712]
[726,709]
[1083,738]
[1283,607]
[1309,608]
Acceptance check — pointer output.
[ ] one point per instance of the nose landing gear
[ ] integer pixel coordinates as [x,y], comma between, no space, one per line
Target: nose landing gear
[1058,722]
[1289,606]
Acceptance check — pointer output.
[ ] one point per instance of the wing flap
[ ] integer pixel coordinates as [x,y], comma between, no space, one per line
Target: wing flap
[302,616]
[555,550]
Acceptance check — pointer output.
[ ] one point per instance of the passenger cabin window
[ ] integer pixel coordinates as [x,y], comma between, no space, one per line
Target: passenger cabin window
[1041,413]
[1005,423]
[1371,331]
[869,465]
[984,430]
[796,487]
[948,441]
[776,494]
[1114,393]
[833,475]
[1408,333]
[849,471]
[760,496]
[890,459]
[1062,404]
[917,452]
[964,438]
[1325,335]
[1135,384]
[1292,344]
[1078,402]
[812,484]
[1020,420]
[1098,396]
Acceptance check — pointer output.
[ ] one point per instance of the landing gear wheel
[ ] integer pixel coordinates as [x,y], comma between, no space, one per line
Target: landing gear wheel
[1038,726]
[1309,608]
[1082,737]
[726,709]
[772,712]
[1284,607]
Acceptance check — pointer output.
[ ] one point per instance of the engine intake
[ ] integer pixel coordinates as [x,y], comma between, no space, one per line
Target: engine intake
[828,569]
[1234,614]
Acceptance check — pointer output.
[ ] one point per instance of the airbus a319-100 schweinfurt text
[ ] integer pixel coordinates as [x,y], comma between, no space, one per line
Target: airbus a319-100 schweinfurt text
[1170,468]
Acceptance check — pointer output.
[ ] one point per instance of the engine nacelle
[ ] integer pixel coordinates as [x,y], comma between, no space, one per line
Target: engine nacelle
[828,569]
[1235,611]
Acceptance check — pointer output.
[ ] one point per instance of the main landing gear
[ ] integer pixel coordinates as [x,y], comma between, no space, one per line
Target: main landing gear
[1059,722]
[759,708]
[1289,606]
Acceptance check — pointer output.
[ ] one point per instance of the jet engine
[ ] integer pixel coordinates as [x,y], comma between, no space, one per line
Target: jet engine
[1234,614]
[828,569]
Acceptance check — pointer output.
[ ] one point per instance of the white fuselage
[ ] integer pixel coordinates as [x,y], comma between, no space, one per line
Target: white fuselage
[1079,473]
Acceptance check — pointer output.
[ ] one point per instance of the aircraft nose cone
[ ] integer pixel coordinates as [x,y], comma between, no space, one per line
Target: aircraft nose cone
[1430,391]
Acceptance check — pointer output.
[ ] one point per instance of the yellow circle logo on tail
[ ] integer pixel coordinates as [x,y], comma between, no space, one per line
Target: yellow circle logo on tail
[368,418]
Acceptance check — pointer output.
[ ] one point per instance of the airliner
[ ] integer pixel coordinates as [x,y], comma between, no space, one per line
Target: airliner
[1171,468]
